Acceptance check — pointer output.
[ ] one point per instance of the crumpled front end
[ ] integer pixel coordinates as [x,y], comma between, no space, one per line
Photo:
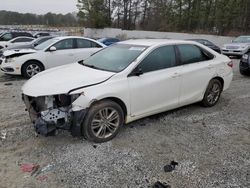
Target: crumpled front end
[49,113]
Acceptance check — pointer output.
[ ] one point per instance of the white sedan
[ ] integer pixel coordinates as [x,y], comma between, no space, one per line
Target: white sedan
[16,42]
[125,82]
[54,52]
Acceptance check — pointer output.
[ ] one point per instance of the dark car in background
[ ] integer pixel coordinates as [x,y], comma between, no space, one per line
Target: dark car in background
[208,44]
[6,36]
[31,45]
[245,64]
[41,34]
[108,41]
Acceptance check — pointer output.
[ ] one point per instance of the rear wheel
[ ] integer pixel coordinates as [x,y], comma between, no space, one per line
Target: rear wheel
[212,94]
[103,121]
[31,68]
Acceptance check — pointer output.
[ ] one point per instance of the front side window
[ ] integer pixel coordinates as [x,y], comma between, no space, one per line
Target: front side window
[65,44]
[191,54]
[115,58]
[160,58]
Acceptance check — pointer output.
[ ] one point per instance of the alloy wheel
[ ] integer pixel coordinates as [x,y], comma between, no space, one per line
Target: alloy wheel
[105,122]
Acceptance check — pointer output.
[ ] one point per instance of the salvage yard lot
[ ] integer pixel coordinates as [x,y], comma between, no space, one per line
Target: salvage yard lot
[211,145]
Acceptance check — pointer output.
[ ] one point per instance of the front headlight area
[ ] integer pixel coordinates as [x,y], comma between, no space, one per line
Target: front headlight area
[49,113]
[10,59]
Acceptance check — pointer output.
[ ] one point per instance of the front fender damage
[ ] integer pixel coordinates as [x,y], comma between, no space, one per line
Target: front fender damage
[50,113]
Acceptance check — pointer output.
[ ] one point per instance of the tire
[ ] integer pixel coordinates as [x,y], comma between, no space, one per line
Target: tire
[97,126]
[212,94]
[244,73]
[31,68]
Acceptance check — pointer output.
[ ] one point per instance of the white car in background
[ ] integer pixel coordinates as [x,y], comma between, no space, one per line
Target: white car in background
[125,82]
[16,42]
[54,52]
[238,47]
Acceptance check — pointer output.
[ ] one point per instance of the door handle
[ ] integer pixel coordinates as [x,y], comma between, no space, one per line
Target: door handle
[175,75]
[210,66]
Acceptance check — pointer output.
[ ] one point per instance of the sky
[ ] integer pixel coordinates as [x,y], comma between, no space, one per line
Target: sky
[39,6]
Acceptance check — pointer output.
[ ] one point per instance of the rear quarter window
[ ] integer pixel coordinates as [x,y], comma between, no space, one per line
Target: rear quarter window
[192,54]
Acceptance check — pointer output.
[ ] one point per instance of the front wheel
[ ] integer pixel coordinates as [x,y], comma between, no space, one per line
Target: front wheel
[212,94]
[103,121]
[31,68]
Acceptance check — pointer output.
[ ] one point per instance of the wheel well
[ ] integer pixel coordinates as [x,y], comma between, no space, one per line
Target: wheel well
[220,79]
[120,102]
[33,60]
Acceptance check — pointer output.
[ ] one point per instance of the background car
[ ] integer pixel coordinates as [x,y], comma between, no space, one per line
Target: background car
[208,44]
[125,82]
[238,47]
[54,52]
[245,64]
[6,36]
[41,34]
[29,45]
[16,42]
[108,41]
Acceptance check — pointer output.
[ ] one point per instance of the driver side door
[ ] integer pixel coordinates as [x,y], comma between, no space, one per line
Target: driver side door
[157,87]
[64,54]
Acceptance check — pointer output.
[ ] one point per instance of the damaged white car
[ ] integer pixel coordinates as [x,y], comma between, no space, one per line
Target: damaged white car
[125,82]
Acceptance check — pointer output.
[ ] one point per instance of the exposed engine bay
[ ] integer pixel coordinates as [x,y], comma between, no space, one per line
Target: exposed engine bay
[49,113]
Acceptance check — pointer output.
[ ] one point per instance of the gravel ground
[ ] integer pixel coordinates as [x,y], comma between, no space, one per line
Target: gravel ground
[211,145]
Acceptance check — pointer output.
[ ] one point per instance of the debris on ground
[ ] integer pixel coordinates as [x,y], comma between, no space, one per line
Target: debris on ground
[161,185]
[42,178]
[170,167]
[8,84]
[3,134]
[47,168]
[29,167]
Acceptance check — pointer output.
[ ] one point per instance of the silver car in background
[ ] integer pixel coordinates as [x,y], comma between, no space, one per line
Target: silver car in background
[238,47]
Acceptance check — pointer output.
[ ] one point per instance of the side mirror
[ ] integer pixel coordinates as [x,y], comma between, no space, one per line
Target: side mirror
[52,49]
[136,72]
[35,44]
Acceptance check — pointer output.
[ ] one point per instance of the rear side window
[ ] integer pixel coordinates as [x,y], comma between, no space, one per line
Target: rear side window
[82,43]
[192,54]
[22,40]
[160,58]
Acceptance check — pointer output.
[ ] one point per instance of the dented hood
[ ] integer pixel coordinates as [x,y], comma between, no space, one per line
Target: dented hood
[18,51]
[61,80]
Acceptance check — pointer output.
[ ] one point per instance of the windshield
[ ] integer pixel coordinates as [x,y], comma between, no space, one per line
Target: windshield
[46,44]
[244,39]
[115,58]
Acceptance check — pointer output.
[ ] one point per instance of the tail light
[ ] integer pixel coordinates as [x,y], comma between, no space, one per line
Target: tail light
[230,64]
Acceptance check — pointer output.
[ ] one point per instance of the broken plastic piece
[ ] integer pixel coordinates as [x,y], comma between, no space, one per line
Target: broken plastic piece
[161,185]
[42,178]
[170,167]
[29,167]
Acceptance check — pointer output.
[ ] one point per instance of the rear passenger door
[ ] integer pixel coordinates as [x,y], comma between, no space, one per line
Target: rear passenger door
[85,48]
[197,70]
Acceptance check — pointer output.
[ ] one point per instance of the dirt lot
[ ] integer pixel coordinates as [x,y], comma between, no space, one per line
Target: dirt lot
[211,145]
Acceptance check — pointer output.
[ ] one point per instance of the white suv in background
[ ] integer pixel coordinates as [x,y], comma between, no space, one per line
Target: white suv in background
[54,52]
[125,82]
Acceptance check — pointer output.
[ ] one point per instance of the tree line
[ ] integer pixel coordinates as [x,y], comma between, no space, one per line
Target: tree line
[208,16]
[50,19]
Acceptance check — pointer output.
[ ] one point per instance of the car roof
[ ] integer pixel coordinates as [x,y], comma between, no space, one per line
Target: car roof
[153,42]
